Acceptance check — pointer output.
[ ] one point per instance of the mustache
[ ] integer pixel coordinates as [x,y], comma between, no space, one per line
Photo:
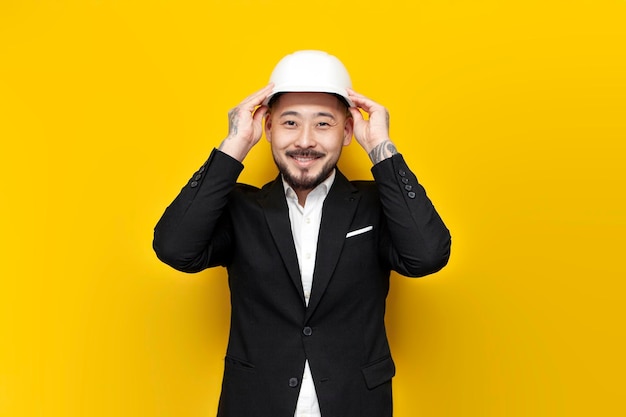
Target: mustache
[305,153]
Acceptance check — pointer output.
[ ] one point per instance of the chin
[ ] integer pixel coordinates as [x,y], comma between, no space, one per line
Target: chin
[304,179]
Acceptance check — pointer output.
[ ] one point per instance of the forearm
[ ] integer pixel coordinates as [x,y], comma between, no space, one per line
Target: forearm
[236,150]
[383,150]
[419,240]
[184,234]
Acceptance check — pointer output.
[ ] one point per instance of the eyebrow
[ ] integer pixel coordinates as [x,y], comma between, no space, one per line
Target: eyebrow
[318,114]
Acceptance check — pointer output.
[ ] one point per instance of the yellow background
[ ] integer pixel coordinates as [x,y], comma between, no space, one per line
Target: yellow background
[512,113]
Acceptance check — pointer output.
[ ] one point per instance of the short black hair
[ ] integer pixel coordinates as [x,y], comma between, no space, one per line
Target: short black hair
[274,100]
[276,96]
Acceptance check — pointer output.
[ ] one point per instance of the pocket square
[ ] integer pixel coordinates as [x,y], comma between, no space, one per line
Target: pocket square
[359,231]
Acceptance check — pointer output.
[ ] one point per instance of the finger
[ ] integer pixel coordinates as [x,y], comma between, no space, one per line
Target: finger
[354,94]
[363,102]
[257,98]
[356,114]
[260,113]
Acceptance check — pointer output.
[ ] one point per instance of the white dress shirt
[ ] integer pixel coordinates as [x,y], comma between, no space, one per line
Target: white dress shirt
[305,227]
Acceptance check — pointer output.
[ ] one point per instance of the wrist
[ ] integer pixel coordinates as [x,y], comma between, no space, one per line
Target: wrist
[237,149]
[383,150]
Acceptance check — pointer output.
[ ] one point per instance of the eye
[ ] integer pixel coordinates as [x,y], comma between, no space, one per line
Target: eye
[289,123]
[325,125]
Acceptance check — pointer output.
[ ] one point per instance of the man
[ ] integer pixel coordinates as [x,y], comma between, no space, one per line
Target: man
[308,255]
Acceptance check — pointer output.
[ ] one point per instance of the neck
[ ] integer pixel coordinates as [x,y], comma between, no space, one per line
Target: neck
[302,195]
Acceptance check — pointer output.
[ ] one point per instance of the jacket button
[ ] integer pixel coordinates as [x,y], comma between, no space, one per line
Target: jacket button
[293,382]
[411,194]
[307,331]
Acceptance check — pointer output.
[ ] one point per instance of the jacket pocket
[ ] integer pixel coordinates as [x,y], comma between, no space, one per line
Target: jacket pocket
[378,372]
[231,362]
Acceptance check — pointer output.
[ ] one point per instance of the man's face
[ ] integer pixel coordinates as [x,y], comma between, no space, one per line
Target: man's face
[307,132]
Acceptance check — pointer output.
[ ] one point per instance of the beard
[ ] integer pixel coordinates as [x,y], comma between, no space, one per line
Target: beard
[301,180]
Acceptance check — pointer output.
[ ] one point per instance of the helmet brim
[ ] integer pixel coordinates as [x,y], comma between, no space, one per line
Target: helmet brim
[308,89]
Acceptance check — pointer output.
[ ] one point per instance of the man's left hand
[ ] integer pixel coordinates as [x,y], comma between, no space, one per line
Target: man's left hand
[372,134]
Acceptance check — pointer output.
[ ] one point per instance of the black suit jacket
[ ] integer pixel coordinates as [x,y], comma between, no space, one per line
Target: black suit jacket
[215,221]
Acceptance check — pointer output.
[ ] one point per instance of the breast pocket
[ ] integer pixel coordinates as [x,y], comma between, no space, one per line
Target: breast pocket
[360,231]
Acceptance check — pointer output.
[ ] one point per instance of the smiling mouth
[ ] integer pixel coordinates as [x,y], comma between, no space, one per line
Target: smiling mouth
[305,157]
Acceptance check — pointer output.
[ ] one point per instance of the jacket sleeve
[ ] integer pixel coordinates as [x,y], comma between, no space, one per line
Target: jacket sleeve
[193,233]
[418,242]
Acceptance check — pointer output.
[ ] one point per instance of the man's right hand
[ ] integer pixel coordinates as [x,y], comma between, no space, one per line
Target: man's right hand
[245,124]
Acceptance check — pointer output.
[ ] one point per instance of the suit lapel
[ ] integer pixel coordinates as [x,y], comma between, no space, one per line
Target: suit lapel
[337,213]
[277,216]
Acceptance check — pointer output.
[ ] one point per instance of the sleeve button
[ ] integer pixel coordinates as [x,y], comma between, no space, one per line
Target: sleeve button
[411,194]
[193,184]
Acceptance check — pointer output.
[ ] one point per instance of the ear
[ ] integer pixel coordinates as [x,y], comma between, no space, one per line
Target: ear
[348,130]
[268,127]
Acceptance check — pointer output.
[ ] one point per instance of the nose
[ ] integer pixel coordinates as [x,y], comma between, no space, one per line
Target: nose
[306,139]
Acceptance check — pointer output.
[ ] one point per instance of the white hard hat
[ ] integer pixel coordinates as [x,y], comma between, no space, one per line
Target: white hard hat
[310,71]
